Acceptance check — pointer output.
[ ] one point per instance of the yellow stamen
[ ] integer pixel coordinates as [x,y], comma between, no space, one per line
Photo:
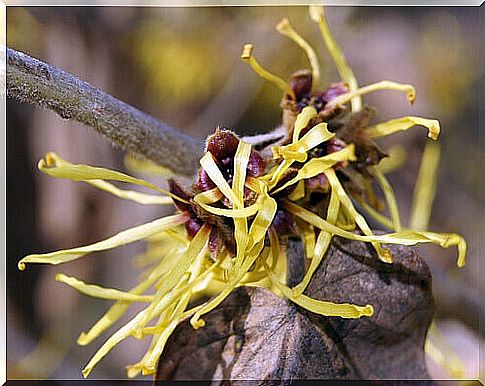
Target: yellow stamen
[284,27]
[247,56]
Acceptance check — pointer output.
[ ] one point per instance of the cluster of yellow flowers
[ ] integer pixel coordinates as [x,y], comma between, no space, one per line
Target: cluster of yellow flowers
[180,263]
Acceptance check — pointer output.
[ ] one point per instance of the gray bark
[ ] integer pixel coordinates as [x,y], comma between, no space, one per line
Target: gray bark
[32,81]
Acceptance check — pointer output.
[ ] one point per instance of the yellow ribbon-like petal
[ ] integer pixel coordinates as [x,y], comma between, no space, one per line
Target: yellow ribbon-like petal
[125,237]
[390,198]
[297,151]
[383,254]
[100,292]
[402,124]
[318,16]
[318,165]
[425,187]
[405,237]
[344,310]
[382,85]
[284,27]
[322,244]
[55,166]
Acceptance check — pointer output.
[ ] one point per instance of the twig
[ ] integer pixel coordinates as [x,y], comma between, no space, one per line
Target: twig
[32,81]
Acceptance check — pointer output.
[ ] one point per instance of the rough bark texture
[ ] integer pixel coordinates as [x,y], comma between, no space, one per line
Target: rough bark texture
[255,335]
[32,81]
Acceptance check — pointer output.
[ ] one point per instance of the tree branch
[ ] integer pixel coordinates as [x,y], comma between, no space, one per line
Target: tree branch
[32,81]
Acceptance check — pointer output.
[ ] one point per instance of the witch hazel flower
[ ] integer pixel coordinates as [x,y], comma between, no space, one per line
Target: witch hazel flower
[231,227]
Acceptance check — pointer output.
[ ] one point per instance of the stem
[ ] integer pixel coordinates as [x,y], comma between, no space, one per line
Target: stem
[32,81]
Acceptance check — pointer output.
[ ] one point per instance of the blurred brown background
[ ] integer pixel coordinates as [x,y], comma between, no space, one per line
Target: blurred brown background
[182,65]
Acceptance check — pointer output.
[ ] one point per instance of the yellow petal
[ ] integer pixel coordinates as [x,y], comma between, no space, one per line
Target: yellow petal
[346,73]
[118,309]
[405,237]
[125,237]
[302,120]
[285,28]
[297,151]
[243,263]
[196,248]
[322,244]
[55,166]
[334,182]
[344,310]
[123,333]
[402,124]
[141,198]
[100,292]
[317,165]
[241,160]
[208,196]
[247,56]
[234,213]
[380,218]
[425,187]
[390,198]
[382,85]
[208,164]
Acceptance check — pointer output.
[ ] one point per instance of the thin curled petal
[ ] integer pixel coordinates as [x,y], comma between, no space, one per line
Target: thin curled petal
[243,263]
[233,213]
[382,85]
[425,187]
[318,16]
[100,292]
[317,165]
[208,164]
[208,196]
[344,310]
[154,309]
[322,244]
[241,160]
[247,56]
[402,124]
[196,247]
[139,197]
[123,333]
[302,120]
[284,27]
[125,237]
[383,254]
[390,198]
[297,151]
[380,218]
[405,237]
[118,309]
[168,324]
[55,166]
